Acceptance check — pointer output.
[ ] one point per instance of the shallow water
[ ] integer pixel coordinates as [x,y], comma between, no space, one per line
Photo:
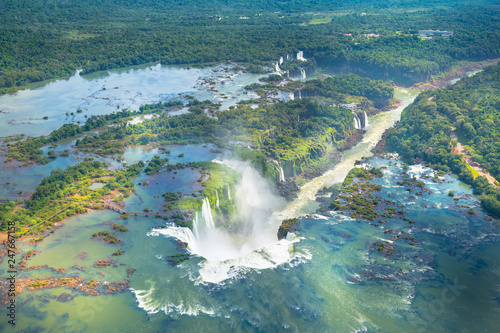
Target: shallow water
[333,280]
[341,285]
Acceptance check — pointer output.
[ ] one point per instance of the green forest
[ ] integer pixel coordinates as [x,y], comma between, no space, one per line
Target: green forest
[41,40]
[295,133]
[469,111]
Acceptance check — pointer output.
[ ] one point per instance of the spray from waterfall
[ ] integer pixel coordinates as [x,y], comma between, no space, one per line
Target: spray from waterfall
[251,241]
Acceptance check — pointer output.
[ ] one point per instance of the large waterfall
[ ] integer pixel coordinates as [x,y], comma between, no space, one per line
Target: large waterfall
[251,242]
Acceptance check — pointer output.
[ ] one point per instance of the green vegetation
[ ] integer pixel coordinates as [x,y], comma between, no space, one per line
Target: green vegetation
[28,150]
[338,88]
[119,227]
[43,40]
[65,193]
[361,173]
[155,165]
[468,110]
[288,226]
[107,237]
[118,253]
[170,196]
[361,199]
[219,179]
[177,258]
[294,133]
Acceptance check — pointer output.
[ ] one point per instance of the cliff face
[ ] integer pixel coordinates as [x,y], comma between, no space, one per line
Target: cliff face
[287,226]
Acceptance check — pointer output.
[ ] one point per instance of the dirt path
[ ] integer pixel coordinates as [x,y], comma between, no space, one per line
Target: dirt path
[459,149]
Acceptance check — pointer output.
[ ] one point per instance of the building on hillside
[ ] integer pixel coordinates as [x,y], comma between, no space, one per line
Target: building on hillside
[434,33]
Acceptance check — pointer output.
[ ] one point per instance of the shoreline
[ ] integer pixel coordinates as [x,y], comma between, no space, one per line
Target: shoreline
[457,72]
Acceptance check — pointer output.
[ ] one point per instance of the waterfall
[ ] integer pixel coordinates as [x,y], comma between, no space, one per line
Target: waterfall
[300,95]
[300,56]
[366,119]
[357,123]
[303,73]
[282,175]
[250,242]
[292,96]
[228,193]
[277,67]
[206,213]
[281,60]
[217,200]
[287,57]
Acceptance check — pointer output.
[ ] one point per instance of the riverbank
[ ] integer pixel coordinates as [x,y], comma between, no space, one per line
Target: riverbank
[455,74]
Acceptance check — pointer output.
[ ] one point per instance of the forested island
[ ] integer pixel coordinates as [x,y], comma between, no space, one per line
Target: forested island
[275,152]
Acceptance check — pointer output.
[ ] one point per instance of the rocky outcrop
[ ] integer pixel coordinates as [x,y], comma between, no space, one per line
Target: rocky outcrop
[287,226]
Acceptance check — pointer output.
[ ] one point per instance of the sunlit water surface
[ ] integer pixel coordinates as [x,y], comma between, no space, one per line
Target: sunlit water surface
[329,278]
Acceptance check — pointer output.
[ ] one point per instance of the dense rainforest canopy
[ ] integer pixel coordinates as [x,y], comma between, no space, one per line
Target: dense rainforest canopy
[41,39]
[467,112]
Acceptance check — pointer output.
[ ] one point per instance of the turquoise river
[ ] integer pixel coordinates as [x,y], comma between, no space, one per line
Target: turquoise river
[327,277]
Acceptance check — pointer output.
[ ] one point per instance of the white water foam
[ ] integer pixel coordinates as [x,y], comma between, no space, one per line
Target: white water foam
[149,303]
[253,243]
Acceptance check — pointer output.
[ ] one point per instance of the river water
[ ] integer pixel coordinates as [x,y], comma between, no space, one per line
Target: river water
[328,279]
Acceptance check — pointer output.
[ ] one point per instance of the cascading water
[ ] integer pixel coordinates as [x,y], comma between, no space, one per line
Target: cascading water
[217,199]
[291,96]
[300,94]
[252,241]
[277,68]
[281,173]
[228,193]
[300,56]
[281,60]
[303,73]
[366,120]
[357,123]
[382,121]
[206,213]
